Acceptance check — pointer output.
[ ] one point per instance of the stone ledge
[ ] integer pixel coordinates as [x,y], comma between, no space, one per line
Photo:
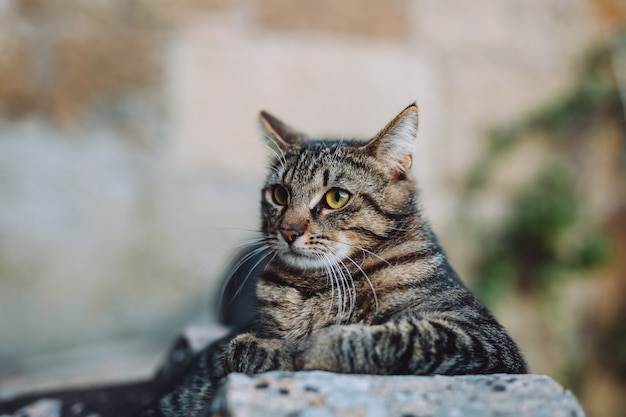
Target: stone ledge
[313,394]
[323,394]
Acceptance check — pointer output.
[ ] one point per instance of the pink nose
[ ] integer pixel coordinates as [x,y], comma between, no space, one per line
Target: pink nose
[291,235]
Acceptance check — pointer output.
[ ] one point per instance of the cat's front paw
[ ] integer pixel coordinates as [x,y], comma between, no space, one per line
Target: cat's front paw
[323,350]
[250,354]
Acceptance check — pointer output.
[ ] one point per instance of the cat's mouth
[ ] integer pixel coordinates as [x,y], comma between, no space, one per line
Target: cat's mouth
[301,258]
[306,257]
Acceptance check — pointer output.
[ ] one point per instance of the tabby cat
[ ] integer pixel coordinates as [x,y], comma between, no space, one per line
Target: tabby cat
[356,281]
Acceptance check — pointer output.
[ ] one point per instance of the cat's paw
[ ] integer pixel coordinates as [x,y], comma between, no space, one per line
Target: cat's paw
[250,354]
[322,351]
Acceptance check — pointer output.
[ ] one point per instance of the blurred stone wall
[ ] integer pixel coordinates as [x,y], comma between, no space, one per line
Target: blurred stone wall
[130,157]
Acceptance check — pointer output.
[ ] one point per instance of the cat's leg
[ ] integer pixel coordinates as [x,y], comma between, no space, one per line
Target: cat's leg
[193,392]
[250,354]
[418,346]
[246,353]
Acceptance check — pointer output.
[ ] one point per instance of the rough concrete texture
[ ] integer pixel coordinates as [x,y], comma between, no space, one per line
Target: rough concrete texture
[323,394]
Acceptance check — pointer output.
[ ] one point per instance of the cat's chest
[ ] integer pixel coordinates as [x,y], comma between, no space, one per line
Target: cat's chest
[292,315]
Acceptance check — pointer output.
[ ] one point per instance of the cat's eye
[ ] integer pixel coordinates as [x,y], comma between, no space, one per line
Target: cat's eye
[336,198]
[280,195]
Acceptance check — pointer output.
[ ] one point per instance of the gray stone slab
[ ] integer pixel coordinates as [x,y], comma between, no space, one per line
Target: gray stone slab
[323,394]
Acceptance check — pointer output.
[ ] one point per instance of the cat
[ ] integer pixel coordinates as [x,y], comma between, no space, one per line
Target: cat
[355,281]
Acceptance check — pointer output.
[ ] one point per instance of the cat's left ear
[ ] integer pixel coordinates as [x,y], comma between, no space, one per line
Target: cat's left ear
[394,144]
[279,133]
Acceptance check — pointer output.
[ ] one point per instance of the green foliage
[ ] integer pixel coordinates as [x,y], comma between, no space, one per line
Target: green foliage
[594,97]
[548,235]
[545,237]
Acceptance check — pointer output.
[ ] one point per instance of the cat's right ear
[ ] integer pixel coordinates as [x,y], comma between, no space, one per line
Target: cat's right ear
[279,133]
[394,144]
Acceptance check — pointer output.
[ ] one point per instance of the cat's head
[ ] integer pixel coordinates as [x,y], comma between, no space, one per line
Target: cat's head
[325,202]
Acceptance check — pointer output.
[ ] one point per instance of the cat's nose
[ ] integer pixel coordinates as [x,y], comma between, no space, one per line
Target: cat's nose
[291,235]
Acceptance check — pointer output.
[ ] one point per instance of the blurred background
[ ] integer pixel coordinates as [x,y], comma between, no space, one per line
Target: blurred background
[130,162]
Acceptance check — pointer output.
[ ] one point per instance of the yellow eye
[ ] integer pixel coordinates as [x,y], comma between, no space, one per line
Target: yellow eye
[280,195]
[337,198]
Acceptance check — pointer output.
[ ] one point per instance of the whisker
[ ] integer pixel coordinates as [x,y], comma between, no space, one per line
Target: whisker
[243,283]
[340,294]
[335,155]
[344,286]
[208,255]
[365,251]
[353,292]
[332,282]
[244,229]
[367,278]
[369,282]
[399,229]
[248,256]
[246,243]
[349,298]
[276,170]
[281,157]
[242,261]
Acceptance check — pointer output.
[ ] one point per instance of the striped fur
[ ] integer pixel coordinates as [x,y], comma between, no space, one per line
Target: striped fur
[362,288]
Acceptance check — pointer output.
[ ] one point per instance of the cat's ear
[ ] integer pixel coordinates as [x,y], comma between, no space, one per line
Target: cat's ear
[394,144]
[279,133]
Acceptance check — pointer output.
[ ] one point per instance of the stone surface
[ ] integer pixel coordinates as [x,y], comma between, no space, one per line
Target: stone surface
[322,394]
[41,408]
[121,400]
[313,394]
